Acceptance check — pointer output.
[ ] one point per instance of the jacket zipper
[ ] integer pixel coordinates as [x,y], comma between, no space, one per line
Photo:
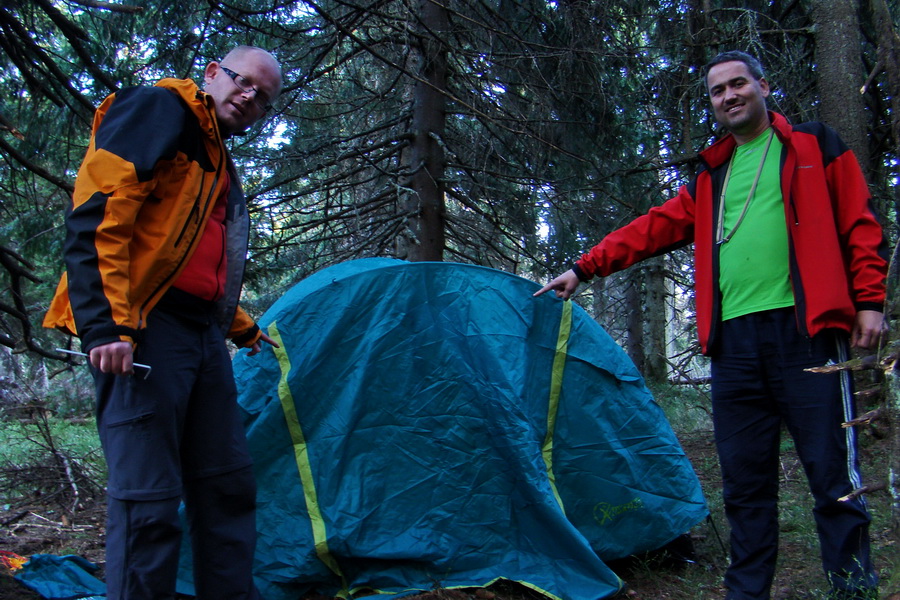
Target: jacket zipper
[195,215]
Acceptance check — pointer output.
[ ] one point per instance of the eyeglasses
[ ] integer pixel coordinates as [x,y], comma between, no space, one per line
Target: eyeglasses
[260,98]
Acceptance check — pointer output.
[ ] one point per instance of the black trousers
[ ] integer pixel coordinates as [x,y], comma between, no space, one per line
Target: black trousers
[759,384]
[174,436]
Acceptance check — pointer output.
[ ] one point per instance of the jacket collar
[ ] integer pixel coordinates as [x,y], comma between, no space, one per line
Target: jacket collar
[720,152]
[199,102]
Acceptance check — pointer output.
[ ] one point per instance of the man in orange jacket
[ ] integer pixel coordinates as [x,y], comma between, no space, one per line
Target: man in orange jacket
[789,266]
[155,248]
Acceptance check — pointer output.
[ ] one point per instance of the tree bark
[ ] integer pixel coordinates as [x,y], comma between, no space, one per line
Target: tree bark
[655,365]
[840,73]
[889,60]
[892,405]
[426,199]
[599,302]
[634,319]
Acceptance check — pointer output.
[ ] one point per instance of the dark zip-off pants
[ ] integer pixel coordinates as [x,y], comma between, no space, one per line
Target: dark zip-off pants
[177,435]
[758,384]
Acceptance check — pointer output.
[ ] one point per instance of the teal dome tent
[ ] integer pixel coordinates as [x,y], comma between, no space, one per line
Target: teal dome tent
[433,425]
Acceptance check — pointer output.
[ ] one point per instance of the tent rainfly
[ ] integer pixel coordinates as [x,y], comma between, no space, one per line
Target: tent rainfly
[433,425]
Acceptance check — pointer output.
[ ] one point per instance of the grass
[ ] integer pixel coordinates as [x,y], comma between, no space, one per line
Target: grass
[21,438]
[53,460]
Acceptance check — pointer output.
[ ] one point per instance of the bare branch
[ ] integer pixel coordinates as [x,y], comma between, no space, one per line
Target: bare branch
[41,172]
[866,419]
[866,489]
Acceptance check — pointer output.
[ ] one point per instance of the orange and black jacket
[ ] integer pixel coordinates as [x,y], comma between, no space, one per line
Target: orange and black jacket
[155,165]
[838,254]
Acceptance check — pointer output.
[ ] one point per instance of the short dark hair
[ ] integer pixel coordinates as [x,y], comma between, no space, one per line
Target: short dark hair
[753,65]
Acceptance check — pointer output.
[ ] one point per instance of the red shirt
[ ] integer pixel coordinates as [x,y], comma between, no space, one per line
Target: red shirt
[204,275]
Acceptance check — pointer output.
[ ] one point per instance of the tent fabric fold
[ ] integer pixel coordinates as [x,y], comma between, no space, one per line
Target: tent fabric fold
[433,425]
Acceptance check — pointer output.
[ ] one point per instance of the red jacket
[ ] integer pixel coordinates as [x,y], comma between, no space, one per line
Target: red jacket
[838,254]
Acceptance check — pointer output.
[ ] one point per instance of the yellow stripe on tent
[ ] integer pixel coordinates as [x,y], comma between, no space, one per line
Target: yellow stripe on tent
[301,455]
[556,379]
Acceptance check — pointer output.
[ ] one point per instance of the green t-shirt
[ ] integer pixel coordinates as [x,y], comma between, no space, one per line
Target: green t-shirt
[753,262]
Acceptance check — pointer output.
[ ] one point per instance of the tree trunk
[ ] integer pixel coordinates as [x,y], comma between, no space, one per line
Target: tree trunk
[426,200]
[840,73]
[889,60]
[656,367]
[892,404]
[599,302]
[634,319]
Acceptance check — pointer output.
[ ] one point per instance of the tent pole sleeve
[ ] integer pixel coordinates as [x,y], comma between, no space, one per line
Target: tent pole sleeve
[556,379]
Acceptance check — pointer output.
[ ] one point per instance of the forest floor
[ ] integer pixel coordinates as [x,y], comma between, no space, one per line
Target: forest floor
[39,526]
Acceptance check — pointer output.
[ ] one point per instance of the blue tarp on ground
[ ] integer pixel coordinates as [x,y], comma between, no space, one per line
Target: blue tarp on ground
[61,577]
[432,425]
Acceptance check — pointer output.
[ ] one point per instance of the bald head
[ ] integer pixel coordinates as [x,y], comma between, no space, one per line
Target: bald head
[243,86]
[264,56]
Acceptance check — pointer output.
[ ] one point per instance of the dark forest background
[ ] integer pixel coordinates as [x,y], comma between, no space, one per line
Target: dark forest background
[506,133]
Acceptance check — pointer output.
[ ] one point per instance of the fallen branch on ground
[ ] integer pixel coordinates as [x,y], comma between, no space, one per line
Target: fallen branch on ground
[872,415]
[866,489]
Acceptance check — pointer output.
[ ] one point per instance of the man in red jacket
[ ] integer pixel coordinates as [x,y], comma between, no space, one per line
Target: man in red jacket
[789,265]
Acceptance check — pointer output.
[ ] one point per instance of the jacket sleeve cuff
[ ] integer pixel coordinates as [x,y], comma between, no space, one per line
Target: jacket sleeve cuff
[248,338]
[582,276]
[876,306]
[107,335]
